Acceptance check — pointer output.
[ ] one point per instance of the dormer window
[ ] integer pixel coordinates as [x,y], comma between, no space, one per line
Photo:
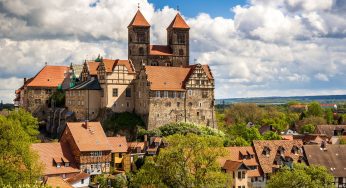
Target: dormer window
[67,164]
[281,150]
[266,151]
[295,150]
[58,165]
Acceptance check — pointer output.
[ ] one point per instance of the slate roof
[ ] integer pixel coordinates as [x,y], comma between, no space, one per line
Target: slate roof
[92,84]
[90,137]
[334,158]
[267,162]
[49,76]
[178,22]
[49,151]
[139,20]
[118,144]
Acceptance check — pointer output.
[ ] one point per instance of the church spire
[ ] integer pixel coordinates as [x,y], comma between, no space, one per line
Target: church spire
[178,22]
[139,20]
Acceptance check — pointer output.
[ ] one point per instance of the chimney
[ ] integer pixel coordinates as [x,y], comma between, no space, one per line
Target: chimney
[323,146]
[145,141]
[85,124]
[24,80]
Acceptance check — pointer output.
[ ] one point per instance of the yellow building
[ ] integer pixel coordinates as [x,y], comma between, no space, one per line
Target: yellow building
[121,160]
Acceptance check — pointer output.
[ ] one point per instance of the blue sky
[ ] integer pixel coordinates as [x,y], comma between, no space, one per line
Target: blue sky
[192,8]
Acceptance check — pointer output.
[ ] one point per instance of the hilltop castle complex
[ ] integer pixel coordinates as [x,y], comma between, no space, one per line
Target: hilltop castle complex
[157,82]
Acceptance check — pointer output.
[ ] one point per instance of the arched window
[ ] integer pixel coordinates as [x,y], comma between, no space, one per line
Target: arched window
[181,52]
[141,51]
[141,37]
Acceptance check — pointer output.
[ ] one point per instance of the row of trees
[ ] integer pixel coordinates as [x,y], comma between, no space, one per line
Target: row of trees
[19,166]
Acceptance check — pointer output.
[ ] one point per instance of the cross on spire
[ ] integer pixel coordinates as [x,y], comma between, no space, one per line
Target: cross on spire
[178,8]
[138,6]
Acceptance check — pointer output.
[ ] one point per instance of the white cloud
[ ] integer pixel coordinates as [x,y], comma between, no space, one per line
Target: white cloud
[270,47]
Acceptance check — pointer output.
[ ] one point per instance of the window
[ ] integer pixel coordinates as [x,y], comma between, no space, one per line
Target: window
[168,64]
[197,113]
[141,37]
[241,174]
[115,92]
[181,38]
[127,104]
[205,94]
[102,92]
[190,92]
[154,63]
[37,101]
[181,52]
[82,181]
[165,94]
[67,164]
[141,51]
[182,95]
[178,104]
[128,92]
[157,93]
[78,93]
[58,165]
[175,95]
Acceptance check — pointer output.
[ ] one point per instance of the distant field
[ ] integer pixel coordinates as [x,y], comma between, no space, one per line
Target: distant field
[283,100]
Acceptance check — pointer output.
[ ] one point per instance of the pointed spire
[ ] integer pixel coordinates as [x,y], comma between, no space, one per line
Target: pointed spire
[179,22]
[139,20]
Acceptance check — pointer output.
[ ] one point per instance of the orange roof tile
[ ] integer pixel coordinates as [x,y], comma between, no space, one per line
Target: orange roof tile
[139,20]
[166,78]
[49,76]
[110,65]
[78,177]
[232,165]
[118,144]
[160,50]
[178,22]
[92,67]
[267,162]
[207,70]
[134,145]
[234,155]
[48,151]
[57,182]
[89,136]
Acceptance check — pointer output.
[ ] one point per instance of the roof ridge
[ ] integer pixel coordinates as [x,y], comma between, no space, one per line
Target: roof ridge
[178,22]
[139,20]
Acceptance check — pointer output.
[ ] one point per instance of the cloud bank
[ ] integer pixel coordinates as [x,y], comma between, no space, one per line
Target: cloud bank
[270,47]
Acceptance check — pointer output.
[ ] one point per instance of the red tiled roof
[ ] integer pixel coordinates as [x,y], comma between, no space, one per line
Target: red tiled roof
[178,22]
[49,76]
[160,50]
[92,67]
[118,144]
[56,182]
[77,177]
[232,165]
[267,162]
[90,137]
[234,155]
[139,20]
[49,151]
[134,145]
[166,78]
[110,65]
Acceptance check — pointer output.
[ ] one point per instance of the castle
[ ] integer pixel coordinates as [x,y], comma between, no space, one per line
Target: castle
[157,82]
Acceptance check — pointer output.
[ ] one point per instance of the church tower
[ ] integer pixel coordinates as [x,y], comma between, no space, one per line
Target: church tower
[178,40]
[138,40]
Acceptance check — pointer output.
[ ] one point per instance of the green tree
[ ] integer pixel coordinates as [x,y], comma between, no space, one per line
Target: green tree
[314,109]
[270,135]
[313,120]
[243,113]
[329,116]
[26,121]
[189,161]
[308,128]
[301,176]
[18,163]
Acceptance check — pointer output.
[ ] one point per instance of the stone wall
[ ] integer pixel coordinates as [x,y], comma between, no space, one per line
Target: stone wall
[78,102]
[36,101]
